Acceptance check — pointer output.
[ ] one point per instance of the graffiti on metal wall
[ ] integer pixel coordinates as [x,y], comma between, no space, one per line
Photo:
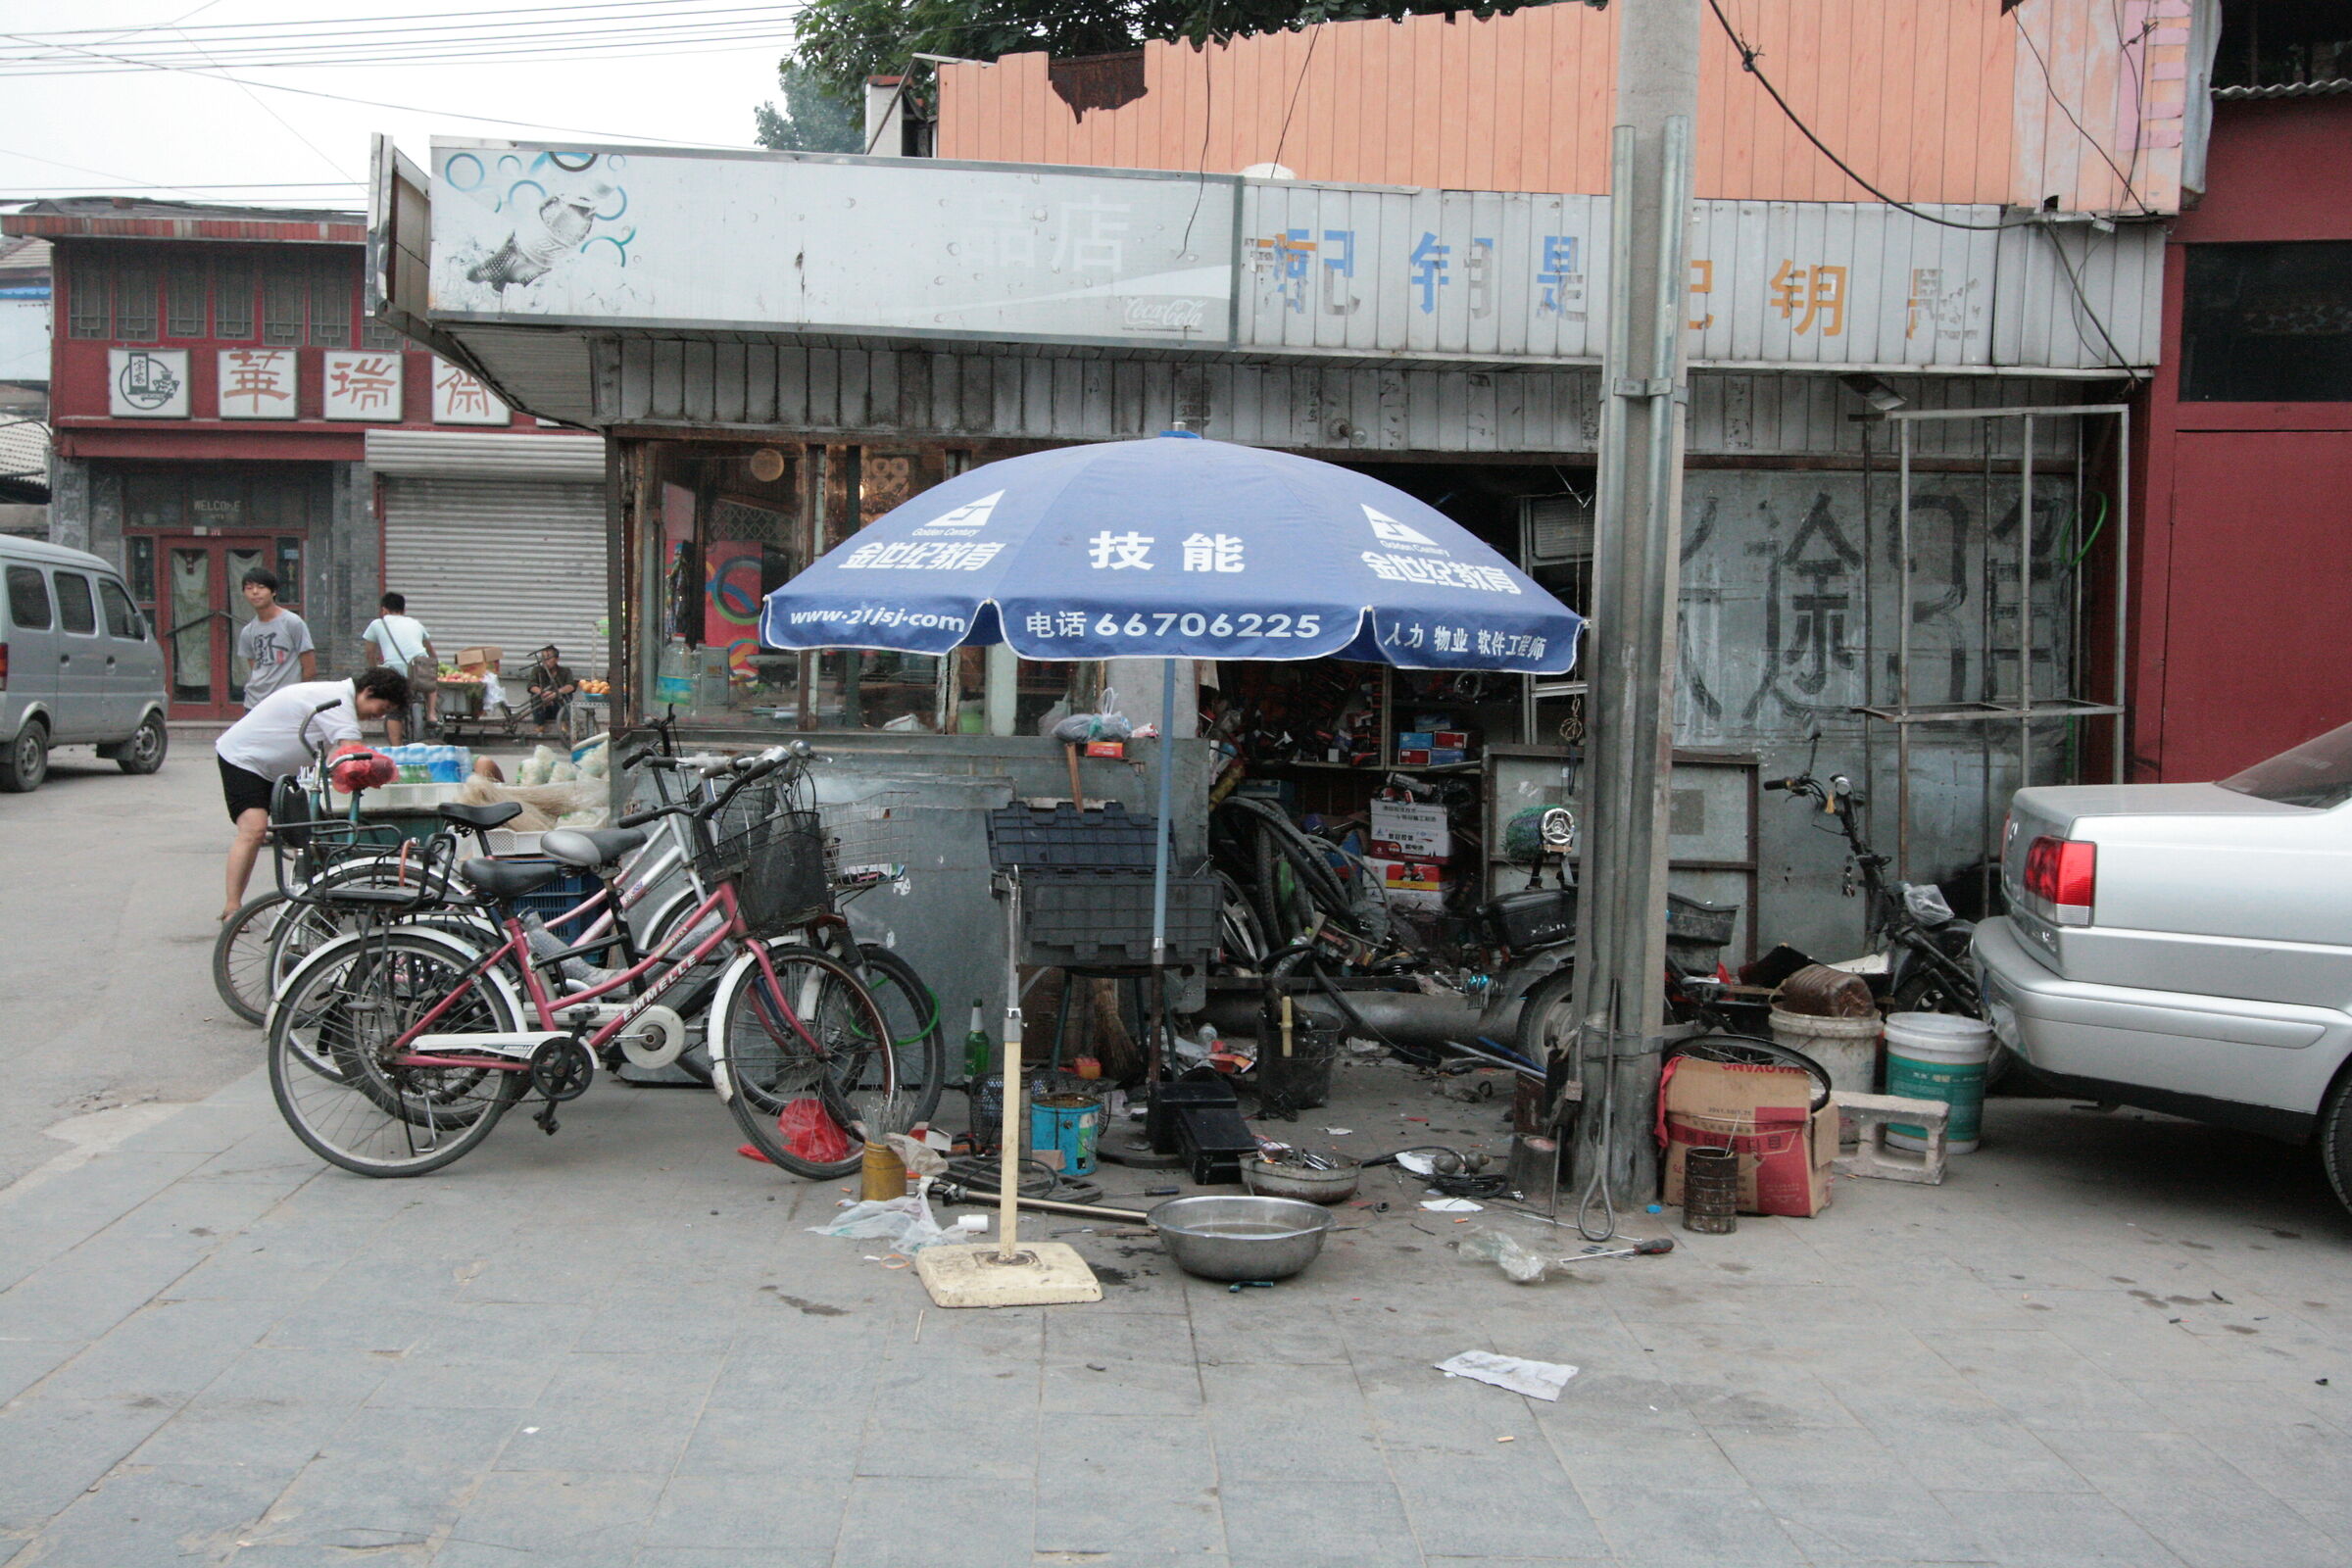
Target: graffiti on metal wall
[1787,597]
[559,210]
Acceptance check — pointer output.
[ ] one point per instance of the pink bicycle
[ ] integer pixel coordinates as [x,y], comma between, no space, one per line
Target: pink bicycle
[395,1048]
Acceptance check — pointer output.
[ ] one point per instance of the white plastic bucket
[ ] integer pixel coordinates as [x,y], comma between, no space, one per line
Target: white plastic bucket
[1939,1056]
[1847,1049]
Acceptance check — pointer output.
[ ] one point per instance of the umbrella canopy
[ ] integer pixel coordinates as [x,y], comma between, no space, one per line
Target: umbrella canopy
[1175,546]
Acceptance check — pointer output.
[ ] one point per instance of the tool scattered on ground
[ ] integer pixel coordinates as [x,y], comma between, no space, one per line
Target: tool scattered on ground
[1239,1286]
[1650,1247]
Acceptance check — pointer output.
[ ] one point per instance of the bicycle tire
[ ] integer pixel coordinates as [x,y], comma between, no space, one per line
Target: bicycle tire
[327,1036]
[762,1064]
[917,1039]
[242,971]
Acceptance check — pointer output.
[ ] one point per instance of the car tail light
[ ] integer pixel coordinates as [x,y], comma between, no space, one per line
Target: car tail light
[2062,879]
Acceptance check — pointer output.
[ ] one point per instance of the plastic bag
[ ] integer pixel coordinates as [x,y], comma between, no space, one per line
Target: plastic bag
[905,1224]
[811,1133]
[1487,1244]
[537,769]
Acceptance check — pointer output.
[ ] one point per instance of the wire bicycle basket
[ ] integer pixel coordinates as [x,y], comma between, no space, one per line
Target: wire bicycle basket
[869,841]
[772,850]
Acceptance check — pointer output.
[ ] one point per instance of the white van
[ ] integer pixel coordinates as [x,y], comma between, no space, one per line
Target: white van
[79,665]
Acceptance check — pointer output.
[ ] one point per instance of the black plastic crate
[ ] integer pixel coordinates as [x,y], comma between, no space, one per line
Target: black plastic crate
[1533,917]
[1089,919]
[1699,923]
[1061,835]
[1170,1100]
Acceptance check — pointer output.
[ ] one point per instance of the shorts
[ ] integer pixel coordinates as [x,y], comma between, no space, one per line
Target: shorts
[243,789]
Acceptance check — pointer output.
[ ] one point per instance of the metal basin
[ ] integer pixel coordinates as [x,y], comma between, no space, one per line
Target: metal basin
[1269,1180]
[1241,1238]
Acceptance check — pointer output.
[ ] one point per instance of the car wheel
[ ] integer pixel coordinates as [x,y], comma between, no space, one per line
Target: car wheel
[145,752]
[2335,1139]
[26,761]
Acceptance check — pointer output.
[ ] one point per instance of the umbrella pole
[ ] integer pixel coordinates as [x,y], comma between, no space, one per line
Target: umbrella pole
[1008,1182]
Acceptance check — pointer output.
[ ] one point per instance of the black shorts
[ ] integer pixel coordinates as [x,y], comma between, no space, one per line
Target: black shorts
[243,789]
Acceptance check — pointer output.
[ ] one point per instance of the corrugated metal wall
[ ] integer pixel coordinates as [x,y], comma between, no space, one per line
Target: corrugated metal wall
[512,562]
[861,393]
[1933,100]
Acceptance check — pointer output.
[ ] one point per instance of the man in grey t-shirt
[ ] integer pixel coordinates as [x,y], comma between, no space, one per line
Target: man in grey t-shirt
[275,644]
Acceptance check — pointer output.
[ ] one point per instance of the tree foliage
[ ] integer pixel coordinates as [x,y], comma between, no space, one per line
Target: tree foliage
[842,42]
[813,119]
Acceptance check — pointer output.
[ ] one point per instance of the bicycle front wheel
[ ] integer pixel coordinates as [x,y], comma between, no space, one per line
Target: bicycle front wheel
[241,970]
[335,1076]
[917,1041]
[803,1062]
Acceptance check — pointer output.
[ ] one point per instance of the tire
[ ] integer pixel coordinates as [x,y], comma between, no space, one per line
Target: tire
[2334,1140]
[145,752]
[762,1060]
[1547,1018]
[327,1030]
[917,1040]
[242,971]
[25,760]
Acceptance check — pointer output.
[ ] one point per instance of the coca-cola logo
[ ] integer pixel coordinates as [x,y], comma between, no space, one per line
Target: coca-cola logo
[1165,315]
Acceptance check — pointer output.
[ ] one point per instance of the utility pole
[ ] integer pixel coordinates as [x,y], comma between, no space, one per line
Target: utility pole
[1638,535]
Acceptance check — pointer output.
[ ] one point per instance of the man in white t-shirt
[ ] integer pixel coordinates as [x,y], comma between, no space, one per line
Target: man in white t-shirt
[399,641]
[276,739]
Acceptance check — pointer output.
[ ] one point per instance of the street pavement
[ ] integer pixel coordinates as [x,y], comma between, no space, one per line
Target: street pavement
[2110,1338]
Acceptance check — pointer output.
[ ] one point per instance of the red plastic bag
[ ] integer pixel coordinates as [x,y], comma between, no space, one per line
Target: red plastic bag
[811,1134]
[356,767]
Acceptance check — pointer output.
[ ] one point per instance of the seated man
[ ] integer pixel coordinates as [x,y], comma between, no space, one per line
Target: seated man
[552,686]
[278,739]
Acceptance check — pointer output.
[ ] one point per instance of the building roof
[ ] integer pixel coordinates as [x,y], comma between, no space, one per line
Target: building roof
[24,253]
[138,217]
[23,460]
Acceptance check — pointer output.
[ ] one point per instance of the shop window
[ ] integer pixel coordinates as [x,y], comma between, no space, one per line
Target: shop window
[90,288]
[288,567]
[77,610]
[183,302]
[282,290]
[376,335]
[717,545]
[232,298]
[330,302]
[217,500]
[2268,324]
[134,303]
[142,568]
[155,499]
[27,598]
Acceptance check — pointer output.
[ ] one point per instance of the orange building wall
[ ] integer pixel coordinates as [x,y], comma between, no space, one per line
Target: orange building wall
[1932,100]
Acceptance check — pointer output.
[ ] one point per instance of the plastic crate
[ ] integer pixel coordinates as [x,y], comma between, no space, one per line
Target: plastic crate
[1026,836]
[562,894]
[1101,917]
[1699,923]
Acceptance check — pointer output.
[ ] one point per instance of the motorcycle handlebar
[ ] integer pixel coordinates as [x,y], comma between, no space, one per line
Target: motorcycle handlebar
[1780,783]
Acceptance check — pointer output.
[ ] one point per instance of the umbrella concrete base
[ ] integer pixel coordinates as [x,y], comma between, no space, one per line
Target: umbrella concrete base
[1038,1274]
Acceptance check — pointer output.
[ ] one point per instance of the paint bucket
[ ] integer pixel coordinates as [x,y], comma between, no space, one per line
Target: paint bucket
[1847,1049]
[1063,1129]
[1939,1056]
[882,1175]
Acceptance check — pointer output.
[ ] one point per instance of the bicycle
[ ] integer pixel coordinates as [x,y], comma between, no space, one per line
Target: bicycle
[396,1049]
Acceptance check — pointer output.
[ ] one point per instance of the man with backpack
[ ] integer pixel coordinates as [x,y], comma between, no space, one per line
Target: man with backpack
[399,641]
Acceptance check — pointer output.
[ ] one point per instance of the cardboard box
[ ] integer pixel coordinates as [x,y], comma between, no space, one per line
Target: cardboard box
[1442,754]
[1112,749]
[1409,830]
[1451,739]
[1418,740]
[1412,757]
[479,657]
[1411,884]
[1766,1114]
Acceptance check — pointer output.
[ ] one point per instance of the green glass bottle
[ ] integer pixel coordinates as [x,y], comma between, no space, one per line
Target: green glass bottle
[978,1049]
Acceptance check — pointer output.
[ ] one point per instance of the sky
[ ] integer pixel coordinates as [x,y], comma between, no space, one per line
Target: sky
[682,71]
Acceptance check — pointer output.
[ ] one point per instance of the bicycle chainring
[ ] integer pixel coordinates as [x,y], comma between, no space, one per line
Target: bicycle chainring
[561,1069]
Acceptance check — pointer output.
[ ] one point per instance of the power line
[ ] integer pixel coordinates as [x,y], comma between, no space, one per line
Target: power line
[2051,88]
[725,43]
[317,26]
[1747,63]
[1296,87]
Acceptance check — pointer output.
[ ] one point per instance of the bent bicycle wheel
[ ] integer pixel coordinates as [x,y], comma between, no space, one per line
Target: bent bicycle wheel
[341,1087]
[802,1061]
[241,972]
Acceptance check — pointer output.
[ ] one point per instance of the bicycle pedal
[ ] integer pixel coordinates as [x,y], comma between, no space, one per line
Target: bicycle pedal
[547,1121]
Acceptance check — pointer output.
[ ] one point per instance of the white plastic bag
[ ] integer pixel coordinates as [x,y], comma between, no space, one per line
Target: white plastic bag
[905,1224]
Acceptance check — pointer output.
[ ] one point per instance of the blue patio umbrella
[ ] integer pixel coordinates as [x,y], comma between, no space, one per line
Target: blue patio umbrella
[1172,548]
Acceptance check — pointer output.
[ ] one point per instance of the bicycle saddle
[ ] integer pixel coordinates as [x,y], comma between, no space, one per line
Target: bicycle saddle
[481,816]
[508,879]
[590,845]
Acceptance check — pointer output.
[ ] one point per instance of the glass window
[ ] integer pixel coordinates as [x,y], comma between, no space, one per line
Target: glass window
[154,501]
[89,292]
[121,616]
[330,302]
[282,291]
[233,297]
[27,598]
[289,573]
[77,610]
[2317,772]
[374,334]
[217,500]
[183,302]
[2268,324]
[134,303]
[142,568]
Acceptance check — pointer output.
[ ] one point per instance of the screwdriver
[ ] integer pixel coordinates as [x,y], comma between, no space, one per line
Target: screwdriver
[1645,1248]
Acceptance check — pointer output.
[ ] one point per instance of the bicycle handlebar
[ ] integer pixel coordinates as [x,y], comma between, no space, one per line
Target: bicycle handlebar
[1780,783]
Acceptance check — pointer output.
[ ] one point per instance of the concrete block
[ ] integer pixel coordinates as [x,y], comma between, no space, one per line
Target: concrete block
[1866,1118]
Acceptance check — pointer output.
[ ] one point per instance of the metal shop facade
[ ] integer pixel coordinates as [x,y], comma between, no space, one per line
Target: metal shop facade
[782,347]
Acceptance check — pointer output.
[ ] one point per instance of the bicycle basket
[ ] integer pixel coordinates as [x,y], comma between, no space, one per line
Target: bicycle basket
[870,840]
[778,864]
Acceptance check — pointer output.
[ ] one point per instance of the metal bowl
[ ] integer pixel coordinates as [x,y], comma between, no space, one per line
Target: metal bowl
[1270,1179]
[1241,1238]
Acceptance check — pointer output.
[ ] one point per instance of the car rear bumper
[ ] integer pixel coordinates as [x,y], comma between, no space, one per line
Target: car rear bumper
[2166,1049]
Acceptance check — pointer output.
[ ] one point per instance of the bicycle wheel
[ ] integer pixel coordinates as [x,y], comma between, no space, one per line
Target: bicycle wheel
[241,970]
[329,1053]
[916,1039]
[813,1050]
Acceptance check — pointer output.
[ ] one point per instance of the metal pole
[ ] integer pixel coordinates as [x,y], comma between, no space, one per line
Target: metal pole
[1620,1003]
[1009,1177]
[2025,614]
[2122,576]
[1159,857]
[1902,655]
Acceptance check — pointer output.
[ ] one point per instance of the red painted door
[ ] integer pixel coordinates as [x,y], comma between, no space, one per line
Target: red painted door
[2260,597]
[200,605]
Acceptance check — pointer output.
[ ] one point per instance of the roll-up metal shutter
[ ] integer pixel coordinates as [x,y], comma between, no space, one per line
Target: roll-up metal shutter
[513,563]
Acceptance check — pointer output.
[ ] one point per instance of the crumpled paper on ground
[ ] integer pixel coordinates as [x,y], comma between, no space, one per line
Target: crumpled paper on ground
[1538,1380]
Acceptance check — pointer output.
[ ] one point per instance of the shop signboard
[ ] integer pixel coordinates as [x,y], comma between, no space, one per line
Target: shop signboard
[147,383]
